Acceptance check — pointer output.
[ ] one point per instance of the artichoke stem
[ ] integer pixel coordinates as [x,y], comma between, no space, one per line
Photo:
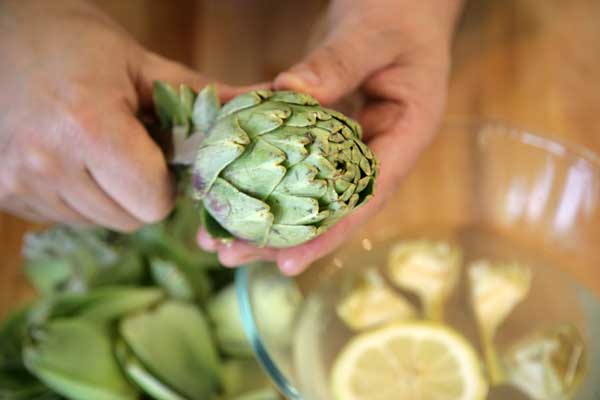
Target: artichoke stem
[434,310]
[496,371]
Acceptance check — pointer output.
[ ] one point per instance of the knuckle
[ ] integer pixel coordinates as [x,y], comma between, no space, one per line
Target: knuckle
[11,185]
[339,61]
[84,125]
[41,161]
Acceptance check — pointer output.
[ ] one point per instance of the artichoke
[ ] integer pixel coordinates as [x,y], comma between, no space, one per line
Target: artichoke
[548,365]
[272,168]
[495,290]
[368,302]
[430,269]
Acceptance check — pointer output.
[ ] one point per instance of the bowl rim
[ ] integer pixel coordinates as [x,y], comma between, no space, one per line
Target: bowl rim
[242,279]
[538,139]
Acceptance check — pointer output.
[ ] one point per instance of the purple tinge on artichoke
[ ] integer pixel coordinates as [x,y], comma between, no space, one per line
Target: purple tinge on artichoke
[272,168]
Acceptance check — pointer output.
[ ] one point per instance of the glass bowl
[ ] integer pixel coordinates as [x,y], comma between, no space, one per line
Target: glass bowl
[496,192]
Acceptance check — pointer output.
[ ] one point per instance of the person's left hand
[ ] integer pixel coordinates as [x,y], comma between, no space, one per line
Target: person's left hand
[396,54]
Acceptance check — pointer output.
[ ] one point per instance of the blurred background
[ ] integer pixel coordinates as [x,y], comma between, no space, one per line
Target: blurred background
[532,63]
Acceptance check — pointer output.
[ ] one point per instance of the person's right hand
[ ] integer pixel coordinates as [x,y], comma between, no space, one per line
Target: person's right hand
[72,150]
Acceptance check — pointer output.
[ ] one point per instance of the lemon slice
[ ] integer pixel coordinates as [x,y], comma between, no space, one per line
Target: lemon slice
[408,361]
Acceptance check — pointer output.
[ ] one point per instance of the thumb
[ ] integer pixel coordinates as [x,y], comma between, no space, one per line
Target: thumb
[337,67]
[156,67]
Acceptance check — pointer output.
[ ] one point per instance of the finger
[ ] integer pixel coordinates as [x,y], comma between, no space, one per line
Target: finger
[294,260]
[53,208]
[405,134]
[23,211]
[237,253]
[227,92]
[207,242]
[234,253]
[379,117]
[157,68]
[409,93]
[39,194]
[129,167]
[84,195]
[340,65]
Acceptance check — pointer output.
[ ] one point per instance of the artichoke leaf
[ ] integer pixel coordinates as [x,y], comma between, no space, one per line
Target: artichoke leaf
[245,216]
[290,97]
[206,108]
[12,334]
[263,118]
[59,351]
[175,241]
[23,386]
[169,277]
[187,98]
[71,259]
[99,306]
[281,236]
[213,227]
[258,171]
[174,342]
[242,102]
[295,210]
[144,379]
[227,141]
[16,382]
[226,320]
[171,111]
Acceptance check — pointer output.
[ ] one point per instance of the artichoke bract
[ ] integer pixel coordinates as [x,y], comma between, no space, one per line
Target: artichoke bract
[271,167]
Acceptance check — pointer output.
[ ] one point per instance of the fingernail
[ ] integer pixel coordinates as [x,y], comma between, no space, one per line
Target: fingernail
[300,78]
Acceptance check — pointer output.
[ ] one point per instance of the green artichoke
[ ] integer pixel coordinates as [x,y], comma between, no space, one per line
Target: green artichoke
[272,168]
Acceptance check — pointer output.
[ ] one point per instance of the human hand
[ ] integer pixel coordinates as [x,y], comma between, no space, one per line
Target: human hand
[396,55]
[72,148]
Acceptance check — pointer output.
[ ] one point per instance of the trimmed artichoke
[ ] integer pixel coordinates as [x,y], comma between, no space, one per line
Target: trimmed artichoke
[369,302]
[430,269]
[496,289]
[272,168]
[548,365]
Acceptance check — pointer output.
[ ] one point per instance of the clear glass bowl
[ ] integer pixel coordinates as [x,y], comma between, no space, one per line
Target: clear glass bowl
[501,193]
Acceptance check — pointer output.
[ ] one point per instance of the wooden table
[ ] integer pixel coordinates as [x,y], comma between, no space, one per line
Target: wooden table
[534,63]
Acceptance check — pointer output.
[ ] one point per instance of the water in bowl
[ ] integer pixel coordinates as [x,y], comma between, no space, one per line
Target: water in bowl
[554,298]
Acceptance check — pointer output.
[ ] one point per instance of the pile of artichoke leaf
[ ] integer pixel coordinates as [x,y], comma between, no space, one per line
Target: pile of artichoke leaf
[123,317]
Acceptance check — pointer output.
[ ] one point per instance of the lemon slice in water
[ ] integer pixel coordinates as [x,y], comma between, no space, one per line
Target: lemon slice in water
[409,361]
